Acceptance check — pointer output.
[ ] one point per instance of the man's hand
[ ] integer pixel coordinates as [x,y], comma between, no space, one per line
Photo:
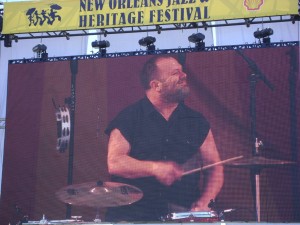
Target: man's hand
[200,206]
[213,178]
[167,172]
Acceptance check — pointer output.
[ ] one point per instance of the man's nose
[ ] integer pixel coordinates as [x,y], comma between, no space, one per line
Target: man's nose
[183,75]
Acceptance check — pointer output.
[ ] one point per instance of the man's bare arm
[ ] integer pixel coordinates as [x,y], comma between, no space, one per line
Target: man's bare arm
[121,164]
[214,177]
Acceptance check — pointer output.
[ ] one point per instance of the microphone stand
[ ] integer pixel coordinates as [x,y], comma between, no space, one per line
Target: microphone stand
[256,74]
[71,101]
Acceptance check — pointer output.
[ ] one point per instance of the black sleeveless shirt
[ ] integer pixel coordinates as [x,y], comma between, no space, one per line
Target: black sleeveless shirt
[151,137]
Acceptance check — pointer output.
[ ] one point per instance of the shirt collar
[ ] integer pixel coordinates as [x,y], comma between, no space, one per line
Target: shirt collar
[148,107]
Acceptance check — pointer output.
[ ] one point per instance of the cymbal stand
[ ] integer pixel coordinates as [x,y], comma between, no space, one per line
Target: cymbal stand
[255,172]
[97,218]
[255,180]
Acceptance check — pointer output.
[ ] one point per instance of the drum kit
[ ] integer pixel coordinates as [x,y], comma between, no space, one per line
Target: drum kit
[112,194]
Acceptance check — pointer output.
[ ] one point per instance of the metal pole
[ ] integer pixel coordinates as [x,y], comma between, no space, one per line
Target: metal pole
[72,105]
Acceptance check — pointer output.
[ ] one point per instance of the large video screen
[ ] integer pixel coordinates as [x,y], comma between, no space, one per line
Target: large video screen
[56,147]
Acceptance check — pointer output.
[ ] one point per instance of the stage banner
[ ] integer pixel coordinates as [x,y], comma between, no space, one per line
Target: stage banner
[62,15]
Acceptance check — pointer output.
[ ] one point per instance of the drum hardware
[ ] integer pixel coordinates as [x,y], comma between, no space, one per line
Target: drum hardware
[99,194]
[203,217]
[256,164]
[220,212]
[97,218]
[23,220]
[259,162]
[214,215]
[43,220]
[76,218]
[57,222]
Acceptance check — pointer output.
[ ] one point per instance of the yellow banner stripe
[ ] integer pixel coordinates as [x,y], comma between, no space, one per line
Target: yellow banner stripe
[61,15]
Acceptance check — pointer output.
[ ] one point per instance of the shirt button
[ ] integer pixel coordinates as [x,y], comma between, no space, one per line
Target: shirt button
[167,140]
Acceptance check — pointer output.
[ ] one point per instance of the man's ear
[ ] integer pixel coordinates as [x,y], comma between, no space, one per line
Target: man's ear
[155,85]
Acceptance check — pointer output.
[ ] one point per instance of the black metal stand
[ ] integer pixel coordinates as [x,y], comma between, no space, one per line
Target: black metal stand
[71,101]
[255,172]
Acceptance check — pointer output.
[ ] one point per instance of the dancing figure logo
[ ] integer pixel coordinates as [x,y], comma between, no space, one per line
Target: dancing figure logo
[48,16]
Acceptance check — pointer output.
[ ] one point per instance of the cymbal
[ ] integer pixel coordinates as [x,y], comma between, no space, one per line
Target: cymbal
[259,162]
[99,194]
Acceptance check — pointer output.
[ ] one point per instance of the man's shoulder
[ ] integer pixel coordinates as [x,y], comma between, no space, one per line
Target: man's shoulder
[125,118]
[133,108]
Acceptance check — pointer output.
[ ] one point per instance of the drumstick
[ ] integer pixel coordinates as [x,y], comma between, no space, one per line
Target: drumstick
[211,165]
